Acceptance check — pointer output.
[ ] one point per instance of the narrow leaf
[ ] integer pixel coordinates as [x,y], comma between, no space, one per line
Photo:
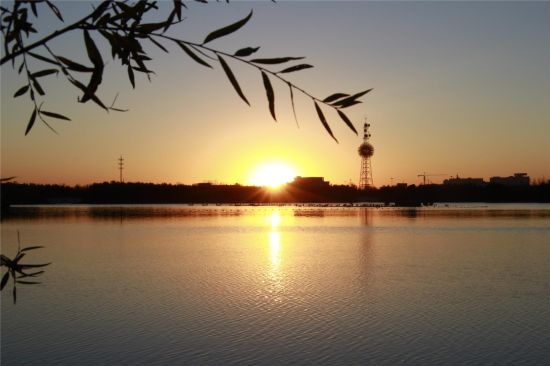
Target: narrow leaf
[93,52]
[54,115]
[28,282]
[44,73]
[177,8]
[33,8]
[335,96]
[33,247]
[5,261]
[55,10]
[347,121]
[131,77]
[349,103]
[273,61]
[21,91]
[5,279]
[296,68]
[324,121]
[232,79]
[74,65]
[25,266]
[228,29]
[158,44]
[292,102]
[18,258]
[14,294]
[192,54]
[97,74]
[37,87]
[243,52]
[352,98]
[270,94]
[81,86]
[34,274]
[100,10]
[151,27]
[42,58]
[31,122]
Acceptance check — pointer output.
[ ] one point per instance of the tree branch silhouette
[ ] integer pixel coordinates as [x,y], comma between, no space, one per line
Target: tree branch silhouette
[121,24]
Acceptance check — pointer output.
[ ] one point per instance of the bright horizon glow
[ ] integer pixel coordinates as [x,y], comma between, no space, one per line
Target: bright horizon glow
[273,175]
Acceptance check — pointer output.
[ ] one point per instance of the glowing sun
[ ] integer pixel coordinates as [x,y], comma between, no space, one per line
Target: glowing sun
[273,175]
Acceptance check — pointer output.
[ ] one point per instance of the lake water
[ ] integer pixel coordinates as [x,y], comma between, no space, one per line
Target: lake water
[221,285]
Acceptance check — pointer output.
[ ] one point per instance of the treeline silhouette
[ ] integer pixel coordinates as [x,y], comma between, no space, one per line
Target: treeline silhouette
[13,193]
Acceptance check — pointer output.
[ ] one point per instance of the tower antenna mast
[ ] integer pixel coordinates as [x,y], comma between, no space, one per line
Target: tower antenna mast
[120,167]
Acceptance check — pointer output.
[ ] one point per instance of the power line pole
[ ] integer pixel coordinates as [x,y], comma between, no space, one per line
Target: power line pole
[120,167]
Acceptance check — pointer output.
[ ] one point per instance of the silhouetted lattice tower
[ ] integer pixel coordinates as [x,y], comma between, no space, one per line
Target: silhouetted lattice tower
[366,150]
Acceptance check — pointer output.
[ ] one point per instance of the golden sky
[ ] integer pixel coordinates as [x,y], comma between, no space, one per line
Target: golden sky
[459,88]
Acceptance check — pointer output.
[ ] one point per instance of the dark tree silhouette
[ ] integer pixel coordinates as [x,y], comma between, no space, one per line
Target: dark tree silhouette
[122,25]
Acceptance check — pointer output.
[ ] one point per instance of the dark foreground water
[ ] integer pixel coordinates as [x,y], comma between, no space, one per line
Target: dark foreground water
[182,285]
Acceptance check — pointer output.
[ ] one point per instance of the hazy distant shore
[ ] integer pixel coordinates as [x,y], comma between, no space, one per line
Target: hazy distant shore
[143,193]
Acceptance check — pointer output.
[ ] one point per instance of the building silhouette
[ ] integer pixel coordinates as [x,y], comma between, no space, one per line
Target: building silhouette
[518,179]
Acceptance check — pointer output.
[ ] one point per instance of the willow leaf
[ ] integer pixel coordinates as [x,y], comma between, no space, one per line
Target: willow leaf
[352,98]
[45,59]
[349,103]
[347,121]
[131,77]
[295,68]
[41,73]
[31,122]
[93,52]
[292,102]
[28,282]
[37,87]
[324,121]
[247,51]
[5,279]
[158,44]
[55,10]
[334,97]
[21,91]
[33,247]
[228,29]
[53,115]
[276,60]
[192,54]
[232,79]
[74,65]
[270,94]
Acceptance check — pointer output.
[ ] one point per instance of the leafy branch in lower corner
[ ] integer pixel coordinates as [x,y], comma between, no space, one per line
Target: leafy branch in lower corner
[122,25]
[20,272]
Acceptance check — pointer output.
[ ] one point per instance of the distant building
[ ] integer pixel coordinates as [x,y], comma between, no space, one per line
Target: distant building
[464,181]
[518,179]
[310,182]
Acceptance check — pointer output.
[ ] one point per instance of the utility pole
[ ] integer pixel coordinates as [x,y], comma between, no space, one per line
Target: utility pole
[120,167]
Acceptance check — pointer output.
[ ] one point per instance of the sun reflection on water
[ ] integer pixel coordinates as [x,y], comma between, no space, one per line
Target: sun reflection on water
[275,286]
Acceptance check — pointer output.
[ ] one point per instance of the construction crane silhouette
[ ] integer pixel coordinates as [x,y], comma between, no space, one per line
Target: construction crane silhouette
[424,175]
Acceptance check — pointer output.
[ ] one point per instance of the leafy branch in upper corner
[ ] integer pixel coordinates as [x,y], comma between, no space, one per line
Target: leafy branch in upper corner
[121,24]
[17,271]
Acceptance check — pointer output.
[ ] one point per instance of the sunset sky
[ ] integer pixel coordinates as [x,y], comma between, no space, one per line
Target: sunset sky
[459,88]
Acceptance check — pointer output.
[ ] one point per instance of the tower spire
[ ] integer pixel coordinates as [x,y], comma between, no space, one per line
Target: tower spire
[121,166]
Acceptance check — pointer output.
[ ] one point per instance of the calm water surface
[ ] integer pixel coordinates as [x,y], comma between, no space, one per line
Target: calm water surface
[193,285]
